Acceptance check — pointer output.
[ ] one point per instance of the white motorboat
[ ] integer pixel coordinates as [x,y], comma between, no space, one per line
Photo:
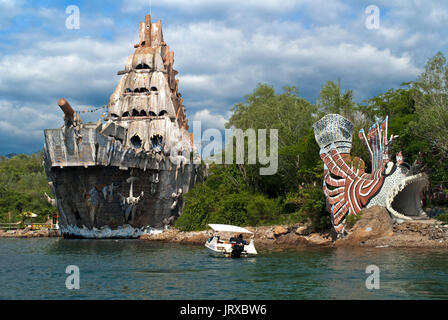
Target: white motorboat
[228,240]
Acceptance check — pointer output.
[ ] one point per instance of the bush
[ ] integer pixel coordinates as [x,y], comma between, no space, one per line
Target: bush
[200,202]
[351,220]
[22,186]
[225,198]
[204,205]
[443,217]
[314,206]
[262,211]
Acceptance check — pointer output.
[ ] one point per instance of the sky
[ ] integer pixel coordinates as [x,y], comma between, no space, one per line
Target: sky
[223,49]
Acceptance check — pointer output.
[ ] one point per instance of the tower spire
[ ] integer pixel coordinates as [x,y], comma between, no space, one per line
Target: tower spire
[148,30]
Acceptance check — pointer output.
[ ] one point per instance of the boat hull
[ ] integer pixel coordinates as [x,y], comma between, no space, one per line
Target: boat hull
[225,249]
[89,208]
[111,200]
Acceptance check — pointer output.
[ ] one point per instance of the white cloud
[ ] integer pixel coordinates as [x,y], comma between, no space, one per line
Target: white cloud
[23,124]
[192,6]
[209,120]
[8,10]
[223,63]
[75,69]
[34,78]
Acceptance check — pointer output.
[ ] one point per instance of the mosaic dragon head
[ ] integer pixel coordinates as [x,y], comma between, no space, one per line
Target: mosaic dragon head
[349,189]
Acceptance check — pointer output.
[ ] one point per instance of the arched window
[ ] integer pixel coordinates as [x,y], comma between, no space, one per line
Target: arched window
[126,114]
[143,113]
[136,142]
[136,90]
[154,89]
[135,113]
[152,114]
[114,115]
[144,90]
[128,90]
[142,66]
[156,142]
[162,113]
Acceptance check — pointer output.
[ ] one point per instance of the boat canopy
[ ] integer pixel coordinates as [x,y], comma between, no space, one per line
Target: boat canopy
[228,228]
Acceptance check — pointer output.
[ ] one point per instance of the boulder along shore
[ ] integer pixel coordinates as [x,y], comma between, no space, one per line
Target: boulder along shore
[28,233]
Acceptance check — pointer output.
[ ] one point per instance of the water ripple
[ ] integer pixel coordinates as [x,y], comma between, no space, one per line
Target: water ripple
[132,269]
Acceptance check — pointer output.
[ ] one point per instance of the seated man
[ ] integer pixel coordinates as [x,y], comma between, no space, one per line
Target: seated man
[240,240]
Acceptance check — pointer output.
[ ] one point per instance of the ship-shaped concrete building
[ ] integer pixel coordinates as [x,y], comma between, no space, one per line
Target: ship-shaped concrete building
[126,175]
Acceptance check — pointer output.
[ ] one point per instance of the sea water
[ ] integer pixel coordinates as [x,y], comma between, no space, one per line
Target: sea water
[134,269]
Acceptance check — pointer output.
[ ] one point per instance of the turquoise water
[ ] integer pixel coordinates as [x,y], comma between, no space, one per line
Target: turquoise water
[133,269]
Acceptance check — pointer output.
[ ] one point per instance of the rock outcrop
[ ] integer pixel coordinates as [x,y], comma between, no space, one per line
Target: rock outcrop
[265,237]
[176,236]
[28,233]
[375,223]
[280,231]
[377,229]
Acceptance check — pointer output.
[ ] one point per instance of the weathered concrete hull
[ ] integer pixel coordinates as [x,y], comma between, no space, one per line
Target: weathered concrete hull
[91,198]
[83,205]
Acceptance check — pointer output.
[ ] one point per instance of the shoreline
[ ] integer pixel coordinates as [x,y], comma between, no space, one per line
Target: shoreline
[405,235]
[265,236]
[374,229]
[26,233]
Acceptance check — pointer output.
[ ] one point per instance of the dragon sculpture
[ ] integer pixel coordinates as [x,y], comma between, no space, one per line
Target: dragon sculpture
[348,188]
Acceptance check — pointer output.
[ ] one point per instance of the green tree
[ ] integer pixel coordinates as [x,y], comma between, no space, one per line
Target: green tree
[293,117]
[238,194]
[431,103]
[22,186]
[332,100]
[399,106]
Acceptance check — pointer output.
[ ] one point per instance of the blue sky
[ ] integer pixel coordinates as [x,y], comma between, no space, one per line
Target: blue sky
[223,48]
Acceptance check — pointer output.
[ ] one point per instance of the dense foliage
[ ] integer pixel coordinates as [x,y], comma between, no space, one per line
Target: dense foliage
[22,186]
[237,193]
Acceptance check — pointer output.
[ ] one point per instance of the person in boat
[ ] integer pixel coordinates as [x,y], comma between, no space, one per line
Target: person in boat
[241,240]
[237,239]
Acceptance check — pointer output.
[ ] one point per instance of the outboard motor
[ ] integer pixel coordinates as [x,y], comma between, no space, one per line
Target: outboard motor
[237,247]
